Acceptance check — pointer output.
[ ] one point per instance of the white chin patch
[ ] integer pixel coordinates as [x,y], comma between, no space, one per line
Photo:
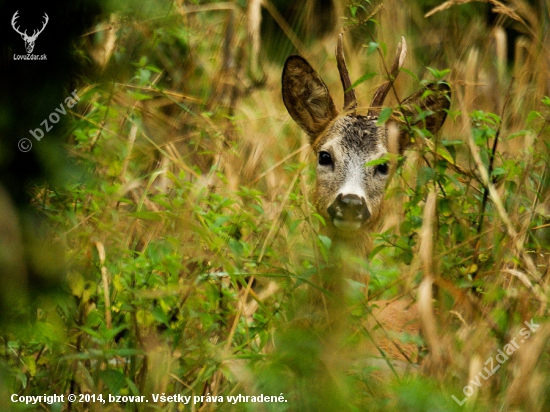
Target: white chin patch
[348,226]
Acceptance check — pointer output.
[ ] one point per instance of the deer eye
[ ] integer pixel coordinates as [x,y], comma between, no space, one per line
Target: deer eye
[383,169]
[325,159]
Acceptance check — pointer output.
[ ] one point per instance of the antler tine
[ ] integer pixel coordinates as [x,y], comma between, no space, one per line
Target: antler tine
[47,19]
[350,100]
[383,90]
[14,21]
[15,17]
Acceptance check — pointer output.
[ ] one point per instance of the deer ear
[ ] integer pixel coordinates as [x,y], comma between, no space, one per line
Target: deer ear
[434,100]
[306,97]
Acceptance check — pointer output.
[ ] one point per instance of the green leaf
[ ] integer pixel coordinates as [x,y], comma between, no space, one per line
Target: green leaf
[452,152]
[406,228]
[372,47]
[447,143]
[293,224]
[144,215]
[325,241]
[142,61]
[153,69]
[159,315]
[114,380]
[376,250]
[125,352]
[379,161]
[320,218]
[484,154]
[532,116]
[445,207]
[363,78]
[438,74]
[31,364]
[410,73]
[383,47]
[110,334]
[22,378]
[480,138]
[325,244]
[236,247]
[425,174]
[139,96]
[384,116]
[221,220]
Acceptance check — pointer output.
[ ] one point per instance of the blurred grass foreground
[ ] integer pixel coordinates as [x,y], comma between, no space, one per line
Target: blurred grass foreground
[158,246]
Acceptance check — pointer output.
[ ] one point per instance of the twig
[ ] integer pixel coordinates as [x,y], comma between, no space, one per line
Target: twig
[512,232]
[101,252]
[492,157]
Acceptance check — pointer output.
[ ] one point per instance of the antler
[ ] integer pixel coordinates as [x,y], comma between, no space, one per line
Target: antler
[350,100]
[383,90]
[15,17]
[35,34]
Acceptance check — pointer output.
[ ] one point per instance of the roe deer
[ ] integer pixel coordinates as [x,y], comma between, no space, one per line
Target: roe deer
[349,192]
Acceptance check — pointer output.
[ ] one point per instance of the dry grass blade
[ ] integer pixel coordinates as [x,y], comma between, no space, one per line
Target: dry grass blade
[163,92]
[526,387]
[131,140]
[426,234]
[427,320]
[499,8]
[425,295]
[254,20]
[445,6]
[535,289]
[105,278]
[201,8]
[476,365]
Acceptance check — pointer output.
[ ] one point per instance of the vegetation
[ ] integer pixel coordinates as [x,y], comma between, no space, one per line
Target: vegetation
[192,249]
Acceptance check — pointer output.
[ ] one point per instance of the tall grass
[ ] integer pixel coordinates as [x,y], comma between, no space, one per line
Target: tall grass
[193,250]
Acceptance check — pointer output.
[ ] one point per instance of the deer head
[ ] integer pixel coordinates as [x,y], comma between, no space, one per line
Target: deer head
[29,40]
[349,193]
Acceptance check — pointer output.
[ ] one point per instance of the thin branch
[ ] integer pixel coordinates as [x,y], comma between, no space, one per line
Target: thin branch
[492,157]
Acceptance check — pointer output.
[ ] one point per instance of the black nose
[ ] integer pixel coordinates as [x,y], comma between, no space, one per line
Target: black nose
[350,208]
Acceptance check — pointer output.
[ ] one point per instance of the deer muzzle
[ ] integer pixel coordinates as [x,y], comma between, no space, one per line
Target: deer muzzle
[348,212]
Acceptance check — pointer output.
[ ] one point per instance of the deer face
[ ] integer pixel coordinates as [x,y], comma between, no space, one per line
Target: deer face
[349,193]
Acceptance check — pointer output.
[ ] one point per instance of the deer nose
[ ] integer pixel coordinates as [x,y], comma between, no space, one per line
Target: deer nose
[350,208]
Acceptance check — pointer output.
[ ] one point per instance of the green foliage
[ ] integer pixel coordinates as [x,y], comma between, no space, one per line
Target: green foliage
[194,254]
